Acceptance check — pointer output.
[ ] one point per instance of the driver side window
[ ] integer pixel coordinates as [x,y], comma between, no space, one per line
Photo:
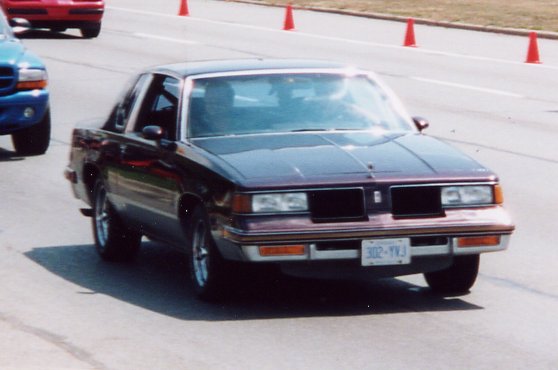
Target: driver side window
[122,111]
[160,106]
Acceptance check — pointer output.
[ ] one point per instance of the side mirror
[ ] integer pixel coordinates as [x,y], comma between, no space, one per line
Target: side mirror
[20,25]
[152,133]
[421,123]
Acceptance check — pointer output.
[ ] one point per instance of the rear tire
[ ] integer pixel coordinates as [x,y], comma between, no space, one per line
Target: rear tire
[113,241]
[456,279]
[33,140]
[90,32]
[207,266]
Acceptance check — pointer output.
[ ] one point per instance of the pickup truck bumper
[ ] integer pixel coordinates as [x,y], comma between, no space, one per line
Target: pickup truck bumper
[22,109]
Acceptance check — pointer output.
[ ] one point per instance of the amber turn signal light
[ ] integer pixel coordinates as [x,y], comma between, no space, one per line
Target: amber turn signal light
[498,194]
[242,203]
[282,250]
[478,241]
[31,85]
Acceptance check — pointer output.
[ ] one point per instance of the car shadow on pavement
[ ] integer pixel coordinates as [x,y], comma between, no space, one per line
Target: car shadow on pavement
[46,34]
[158,280]
[9,156]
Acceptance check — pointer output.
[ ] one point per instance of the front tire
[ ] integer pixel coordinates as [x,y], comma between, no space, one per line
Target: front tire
[90,32]
[33,140]
[456,279]
[113,241]
[207,266]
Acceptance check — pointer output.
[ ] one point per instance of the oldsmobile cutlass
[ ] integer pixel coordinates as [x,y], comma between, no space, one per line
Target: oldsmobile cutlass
[309,165]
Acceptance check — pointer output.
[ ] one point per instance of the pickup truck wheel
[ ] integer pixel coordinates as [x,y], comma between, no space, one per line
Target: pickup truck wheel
[113,241]
[33,140]
[207,267]
[90,32]
[456,279]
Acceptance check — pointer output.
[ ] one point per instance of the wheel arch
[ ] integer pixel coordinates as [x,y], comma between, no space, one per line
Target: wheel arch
[188,202]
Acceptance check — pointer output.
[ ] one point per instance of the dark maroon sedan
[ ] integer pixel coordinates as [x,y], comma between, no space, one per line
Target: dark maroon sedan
[59,15]
[309,165]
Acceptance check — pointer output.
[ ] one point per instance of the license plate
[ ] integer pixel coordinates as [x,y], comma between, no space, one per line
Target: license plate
[381,252]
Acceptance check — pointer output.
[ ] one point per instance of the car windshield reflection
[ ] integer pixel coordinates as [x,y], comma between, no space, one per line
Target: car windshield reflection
[240,105]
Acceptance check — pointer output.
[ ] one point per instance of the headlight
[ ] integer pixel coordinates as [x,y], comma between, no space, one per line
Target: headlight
[467,195]
[279,202]
[30,79]
[270,203]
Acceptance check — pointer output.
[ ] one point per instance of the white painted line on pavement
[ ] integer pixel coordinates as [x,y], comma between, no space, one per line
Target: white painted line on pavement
[164,38]
[337,39]
[468,87]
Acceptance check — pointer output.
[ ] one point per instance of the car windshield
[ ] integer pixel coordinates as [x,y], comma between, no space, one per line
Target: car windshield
[239,105]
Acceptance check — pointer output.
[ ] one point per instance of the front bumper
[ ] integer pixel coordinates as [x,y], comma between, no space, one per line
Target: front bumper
[313,253]
[429,237]
[12,107]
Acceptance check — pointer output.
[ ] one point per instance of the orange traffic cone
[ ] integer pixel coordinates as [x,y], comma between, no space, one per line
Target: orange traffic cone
[533,52]
[410,34]
[183,11]
[289,22]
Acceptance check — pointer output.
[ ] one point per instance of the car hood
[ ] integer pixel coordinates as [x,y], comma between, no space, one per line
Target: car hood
[336,155]
[11,51]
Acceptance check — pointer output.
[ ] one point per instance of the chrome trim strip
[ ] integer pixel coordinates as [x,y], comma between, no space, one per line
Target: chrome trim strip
[430,250]
[316,254]
[475,183]
[237,236]
[274,71]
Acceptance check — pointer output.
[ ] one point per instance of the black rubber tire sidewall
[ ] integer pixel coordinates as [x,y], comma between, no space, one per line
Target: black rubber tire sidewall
[456,279]
[33,140]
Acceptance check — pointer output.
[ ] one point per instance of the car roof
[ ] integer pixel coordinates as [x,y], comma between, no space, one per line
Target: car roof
[238,65]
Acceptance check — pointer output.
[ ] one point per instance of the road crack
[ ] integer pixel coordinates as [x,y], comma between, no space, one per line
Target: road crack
[54,339]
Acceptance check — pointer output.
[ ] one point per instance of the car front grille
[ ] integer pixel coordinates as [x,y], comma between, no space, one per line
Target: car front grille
[7,79]
[416,201]
[337,205]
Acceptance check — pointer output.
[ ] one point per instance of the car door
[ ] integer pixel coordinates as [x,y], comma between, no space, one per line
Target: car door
[110,144]
[148,182]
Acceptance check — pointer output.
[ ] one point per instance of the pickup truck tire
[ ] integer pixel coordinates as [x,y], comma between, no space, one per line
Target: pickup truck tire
[207,266]
[90,32]
[33,140]
[113,240]
[456,279]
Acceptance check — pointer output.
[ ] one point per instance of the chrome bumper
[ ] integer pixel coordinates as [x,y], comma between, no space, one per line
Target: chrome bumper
[251,252]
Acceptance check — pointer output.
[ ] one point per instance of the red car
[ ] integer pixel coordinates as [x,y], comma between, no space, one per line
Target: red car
[59,15]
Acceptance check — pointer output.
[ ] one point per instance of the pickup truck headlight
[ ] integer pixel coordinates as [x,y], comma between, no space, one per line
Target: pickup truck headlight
[270,203]
[467,195]
[31,79]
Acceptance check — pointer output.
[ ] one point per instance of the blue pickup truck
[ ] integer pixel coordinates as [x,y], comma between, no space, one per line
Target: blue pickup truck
[24,99]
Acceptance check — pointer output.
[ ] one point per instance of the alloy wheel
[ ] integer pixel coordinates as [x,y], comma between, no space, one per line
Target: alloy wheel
[200,254]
